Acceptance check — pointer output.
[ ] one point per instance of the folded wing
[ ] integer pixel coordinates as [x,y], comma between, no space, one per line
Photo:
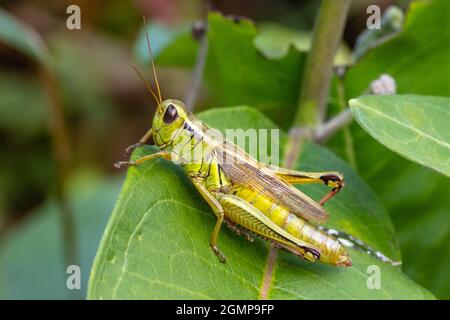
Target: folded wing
[241,168]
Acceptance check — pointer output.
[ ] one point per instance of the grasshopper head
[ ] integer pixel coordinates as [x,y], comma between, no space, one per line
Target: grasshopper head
[169,117]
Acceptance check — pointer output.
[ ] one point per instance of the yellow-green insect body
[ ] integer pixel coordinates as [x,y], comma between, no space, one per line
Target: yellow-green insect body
[210,163]
[330,249]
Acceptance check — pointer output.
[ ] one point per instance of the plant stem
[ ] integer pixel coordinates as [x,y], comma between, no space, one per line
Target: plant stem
[197,76]
[315,85]
[328,29]
[62,155]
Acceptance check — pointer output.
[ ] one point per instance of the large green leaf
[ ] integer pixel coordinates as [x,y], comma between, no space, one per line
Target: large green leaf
[156,242]
[414,126]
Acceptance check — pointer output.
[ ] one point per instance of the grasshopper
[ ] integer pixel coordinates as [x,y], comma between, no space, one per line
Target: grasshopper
[250,197]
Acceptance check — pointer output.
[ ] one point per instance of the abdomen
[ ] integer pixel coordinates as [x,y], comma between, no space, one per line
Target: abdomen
[331,250]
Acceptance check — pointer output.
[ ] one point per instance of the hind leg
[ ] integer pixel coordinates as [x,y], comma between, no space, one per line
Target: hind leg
[330,178]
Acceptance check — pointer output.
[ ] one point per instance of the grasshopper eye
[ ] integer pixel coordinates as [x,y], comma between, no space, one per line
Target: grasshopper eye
[170,115]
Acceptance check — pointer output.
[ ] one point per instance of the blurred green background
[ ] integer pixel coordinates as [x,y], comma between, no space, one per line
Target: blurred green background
[65,118]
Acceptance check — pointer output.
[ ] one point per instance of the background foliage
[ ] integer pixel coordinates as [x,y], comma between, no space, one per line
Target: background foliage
[255,63]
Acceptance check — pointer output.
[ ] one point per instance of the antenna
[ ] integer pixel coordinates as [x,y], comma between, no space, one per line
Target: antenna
[151,58]
[147,85]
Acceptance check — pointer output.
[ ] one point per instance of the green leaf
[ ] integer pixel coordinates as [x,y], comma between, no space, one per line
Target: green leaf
[414,126]
[171,45]
[22,38]
[274,41]
[422,223]
[238,73]
[156,243]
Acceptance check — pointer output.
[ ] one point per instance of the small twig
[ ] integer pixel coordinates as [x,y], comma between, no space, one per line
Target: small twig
[384,85]
[199,31]
[326,130]
[268,272]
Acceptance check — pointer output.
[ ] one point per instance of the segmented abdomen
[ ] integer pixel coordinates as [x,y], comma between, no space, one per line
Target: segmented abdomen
[330,248]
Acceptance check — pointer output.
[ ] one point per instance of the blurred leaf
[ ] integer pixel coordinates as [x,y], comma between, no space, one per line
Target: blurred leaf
[23,108]
[391,22]
[98,90]
[171,45]
[31,254]
[414,126]
[237,73]
[273,41]
[418,58]
[418,197]
[19,36]
[119,17]
[24,180]
[84,90]
[156,243]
